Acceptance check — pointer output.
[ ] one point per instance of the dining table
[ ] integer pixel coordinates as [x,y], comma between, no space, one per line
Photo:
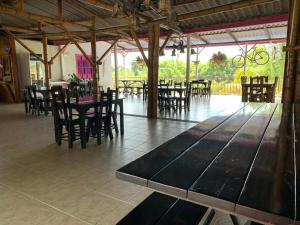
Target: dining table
[83,104]
[177,89]
[129,84]
[243,162]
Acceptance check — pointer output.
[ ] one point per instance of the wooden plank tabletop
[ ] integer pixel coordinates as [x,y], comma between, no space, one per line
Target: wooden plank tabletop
[272,173]
[242,162]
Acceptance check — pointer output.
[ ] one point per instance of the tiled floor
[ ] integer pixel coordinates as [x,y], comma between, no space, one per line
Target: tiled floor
[201,107]
[44,184]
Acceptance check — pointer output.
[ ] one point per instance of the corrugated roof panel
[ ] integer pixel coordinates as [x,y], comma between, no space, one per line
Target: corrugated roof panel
[278,32]
[259,34]
[220,38]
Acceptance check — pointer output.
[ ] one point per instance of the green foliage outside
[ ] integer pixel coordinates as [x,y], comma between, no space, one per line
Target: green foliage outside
[225,77]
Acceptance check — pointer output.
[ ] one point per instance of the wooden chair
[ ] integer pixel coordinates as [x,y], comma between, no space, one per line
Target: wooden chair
[185,98]
[207,89]
[99,123]
[115,95]
[35,105]
[165,100]
[145,91]
[105,112]
[66,124]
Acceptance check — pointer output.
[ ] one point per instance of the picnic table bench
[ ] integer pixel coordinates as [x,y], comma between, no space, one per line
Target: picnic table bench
[243,162]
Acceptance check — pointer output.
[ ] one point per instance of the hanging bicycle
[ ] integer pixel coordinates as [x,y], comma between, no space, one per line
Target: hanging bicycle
[260,57]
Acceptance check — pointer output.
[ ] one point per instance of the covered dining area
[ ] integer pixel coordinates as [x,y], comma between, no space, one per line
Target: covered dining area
[81,144]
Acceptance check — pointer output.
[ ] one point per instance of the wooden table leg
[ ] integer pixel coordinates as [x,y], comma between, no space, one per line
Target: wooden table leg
[82,130]
[121,117]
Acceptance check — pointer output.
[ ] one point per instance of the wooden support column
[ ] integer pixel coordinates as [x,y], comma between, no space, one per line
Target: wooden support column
[95,65]
[153,62]
[15,72]
[116,67]
[291,85]
[188,58]
[46,64]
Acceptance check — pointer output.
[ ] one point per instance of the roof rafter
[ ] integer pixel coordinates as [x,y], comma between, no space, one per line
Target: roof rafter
[229,32]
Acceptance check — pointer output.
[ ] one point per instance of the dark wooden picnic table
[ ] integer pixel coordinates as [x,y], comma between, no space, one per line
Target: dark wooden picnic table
[243,162]
[88,102]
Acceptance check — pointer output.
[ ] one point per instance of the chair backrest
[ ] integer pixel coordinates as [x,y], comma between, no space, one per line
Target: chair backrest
[31,91]
[188,90]
[259,79]
[106,103]
[114,93]
[60,110]
[90,88]
[209,83]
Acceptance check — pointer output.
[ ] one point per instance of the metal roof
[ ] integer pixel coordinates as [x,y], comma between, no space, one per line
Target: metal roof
[212,27]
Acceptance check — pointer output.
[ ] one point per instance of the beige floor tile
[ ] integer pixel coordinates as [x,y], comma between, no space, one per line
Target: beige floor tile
[119,189]
[98,208]
[45,184]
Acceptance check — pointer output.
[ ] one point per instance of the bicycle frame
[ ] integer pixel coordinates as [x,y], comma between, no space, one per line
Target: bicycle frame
[244,52]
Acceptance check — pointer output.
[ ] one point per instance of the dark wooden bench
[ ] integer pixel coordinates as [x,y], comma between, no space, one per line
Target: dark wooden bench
[160,209]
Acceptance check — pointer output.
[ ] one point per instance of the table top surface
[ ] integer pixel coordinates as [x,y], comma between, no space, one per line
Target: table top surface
[243,161]
[257,84]
[172,87]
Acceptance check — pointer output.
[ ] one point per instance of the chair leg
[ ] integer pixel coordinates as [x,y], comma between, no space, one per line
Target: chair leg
[59,134]
[70,136]
[114,117]
[108,130]
[98,127]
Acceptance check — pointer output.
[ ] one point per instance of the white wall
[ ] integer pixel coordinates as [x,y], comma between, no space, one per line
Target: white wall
[69,62]
[23,60]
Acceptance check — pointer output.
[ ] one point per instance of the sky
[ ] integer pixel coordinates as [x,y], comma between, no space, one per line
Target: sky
[204,56]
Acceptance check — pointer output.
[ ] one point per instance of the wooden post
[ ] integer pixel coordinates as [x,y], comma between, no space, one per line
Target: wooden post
[15,72]
[291,85]
[245,61]
[197,59]
[124,70]
[153,60]
[46,65]
[95,66]
[188,58]
[116,67]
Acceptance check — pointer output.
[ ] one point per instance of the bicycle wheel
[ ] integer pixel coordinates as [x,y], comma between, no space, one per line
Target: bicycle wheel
[261,57]
[238,61]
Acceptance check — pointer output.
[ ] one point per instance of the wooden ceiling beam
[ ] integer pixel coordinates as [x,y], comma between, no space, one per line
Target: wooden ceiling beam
[165,42]
[25,46]
[20,5]
[182,17]
[59,9]
[59,52]
[20,29]
[138,44]
[99,62]
[82,51]
[38,18]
